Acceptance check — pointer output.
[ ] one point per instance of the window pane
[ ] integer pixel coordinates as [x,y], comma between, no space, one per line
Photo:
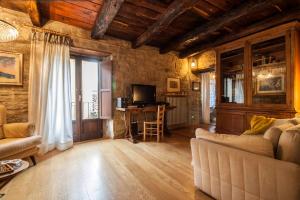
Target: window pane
[73,88]
[90,77]
[232,72]
[269,72]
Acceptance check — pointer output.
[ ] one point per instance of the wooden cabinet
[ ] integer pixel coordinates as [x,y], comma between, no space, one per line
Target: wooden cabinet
[258,75]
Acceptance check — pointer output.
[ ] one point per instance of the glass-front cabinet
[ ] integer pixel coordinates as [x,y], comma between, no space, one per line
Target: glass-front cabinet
[258,75]
[232,76]
[269,71]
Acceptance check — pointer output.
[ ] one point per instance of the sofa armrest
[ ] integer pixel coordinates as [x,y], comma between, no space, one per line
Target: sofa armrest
[229,173]
[18,130]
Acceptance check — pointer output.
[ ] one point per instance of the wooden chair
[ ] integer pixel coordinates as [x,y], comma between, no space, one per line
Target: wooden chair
[156,127]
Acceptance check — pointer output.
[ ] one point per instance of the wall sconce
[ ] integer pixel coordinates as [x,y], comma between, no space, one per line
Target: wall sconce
[195,86]
[193,63]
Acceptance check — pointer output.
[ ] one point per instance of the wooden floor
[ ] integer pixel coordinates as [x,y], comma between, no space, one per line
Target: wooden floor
[111,169]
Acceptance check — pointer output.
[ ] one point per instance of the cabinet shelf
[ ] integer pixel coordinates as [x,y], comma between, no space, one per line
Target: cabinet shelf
[271,65]
[272,48]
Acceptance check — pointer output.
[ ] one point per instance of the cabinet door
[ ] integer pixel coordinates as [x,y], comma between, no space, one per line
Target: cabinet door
[232,84]
[230,122]
[269,72]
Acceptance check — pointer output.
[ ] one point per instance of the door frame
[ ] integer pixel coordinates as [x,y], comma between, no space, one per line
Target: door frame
[78,124]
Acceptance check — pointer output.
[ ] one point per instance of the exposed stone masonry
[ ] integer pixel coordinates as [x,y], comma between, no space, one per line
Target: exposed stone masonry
[143,65]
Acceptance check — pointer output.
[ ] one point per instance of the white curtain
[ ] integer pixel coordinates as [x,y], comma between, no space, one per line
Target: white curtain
[50,91]
[205,97]
[239,88]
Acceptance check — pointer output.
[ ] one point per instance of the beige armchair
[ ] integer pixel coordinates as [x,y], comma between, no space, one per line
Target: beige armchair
[16,139]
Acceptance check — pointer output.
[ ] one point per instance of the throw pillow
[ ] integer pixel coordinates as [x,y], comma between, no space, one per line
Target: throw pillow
[273,134]
[17,130]
[296,120]
[259,124]
[289,145]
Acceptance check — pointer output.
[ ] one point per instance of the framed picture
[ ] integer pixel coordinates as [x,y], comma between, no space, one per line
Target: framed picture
[195,86]
[270,85]
[173,85]
[11,68]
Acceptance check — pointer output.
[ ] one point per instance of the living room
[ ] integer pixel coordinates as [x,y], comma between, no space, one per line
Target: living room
[128,99]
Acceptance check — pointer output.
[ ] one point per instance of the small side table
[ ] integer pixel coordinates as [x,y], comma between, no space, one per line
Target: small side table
[5,178]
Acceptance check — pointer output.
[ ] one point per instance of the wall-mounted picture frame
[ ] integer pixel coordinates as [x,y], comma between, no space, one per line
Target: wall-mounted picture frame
[173,85]
[11,68]
[272,85]
[195,86]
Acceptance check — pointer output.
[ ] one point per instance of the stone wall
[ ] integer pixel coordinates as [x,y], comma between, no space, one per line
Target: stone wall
[15,98]
[144,65]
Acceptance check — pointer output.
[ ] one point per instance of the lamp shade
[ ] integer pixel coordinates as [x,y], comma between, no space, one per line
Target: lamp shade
[7,32]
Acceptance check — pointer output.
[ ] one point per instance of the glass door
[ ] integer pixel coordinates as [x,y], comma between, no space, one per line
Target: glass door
[232,76]
[85,80]
[269,72]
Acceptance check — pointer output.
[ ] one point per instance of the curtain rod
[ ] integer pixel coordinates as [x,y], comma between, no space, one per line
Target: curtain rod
[47,30]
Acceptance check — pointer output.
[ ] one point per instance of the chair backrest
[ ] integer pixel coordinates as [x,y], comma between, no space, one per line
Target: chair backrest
[2,119]
[161,114]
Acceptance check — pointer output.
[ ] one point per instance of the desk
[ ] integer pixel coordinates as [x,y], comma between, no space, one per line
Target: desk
[128,112]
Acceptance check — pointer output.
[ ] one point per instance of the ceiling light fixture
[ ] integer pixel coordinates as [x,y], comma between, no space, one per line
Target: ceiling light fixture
[7,32]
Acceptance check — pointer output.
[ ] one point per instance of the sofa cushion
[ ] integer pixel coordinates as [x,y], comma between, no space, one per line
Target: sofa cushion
[17,130]
[278,122]
[254,144]
[289,145]
[11,146]
[297,120]
[273,134]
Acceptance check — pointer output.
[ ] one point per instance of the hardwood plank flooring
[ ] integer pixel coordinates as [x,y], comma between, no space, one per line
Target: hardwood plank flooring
[111,170]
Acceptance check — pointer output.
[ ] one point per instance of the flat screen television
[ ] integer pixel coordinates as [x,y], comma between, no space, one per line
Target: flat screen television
[143,94]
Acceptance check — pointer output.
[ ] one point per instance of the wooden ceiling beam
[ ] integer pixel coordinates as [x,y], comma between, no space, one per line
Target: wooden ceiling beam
[176,8]
[154,5]
[201,13]
[276,20]
[105,16]
[217,23]
[35,13]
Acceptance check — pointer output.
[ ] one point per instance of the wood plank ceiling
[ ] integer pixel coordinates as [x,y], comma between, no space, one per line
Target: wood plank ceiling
[185,26]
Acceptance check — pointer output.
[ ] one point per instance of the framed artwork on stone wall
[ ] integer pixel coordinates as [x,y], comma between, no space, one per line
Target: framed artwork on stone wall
[11,68]
[173,85]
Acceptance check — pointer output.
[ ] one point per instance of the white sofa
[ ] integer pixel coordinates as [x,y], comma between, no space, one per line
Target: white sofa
[246,167]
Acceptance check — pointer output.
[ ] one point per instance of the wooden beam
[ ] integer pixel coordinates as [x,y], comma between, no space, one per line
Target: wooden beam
[201,13]
[176,8]
[105,16]
[153,5]
[35,13]
[276,20]
[217,23]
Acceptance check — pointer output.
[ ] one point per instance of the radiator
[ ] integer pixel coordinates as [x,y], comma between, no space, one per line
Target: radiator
[177,117]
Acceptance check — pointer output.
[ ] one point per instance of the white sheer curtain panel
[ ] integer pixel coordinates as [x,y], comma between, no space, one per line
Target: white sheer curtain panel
[239,88]
[205,97]
[50,90]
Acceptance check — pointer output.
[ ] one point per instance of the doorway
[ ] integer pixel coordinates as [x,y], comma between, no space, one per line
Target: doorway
[208,98]
[212,98]
[85,87]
